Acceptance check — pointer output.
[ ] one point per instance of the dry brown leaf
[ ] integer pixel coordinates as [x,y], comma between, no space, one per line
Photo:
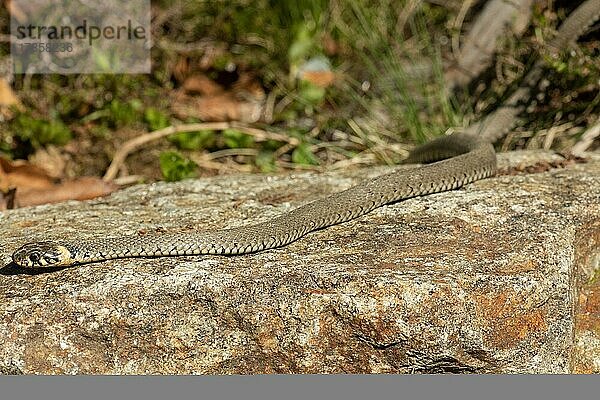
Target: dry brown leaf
[83,188]
[247,86]
[243,101]
[200,84]
[319,78]
[219,108]
[7,96]
[15,11]
[50,160]
[7,199]
[35,186]
[330,46]
[21,174]
[181,69]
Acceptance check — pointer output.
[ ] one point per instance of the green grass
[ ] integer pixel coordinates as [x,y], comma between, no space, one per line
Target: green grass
[419,109]
[377,103]
[276,38]
[175,167]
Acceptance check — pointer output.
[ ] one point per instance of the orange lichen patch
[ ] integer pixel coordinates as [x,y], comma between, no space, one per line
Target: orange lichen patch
[506,320]
[319,291]
[588,309]
[587,324]
[388,265]
[379,332]
[268,332]
[453,236]
[26,224]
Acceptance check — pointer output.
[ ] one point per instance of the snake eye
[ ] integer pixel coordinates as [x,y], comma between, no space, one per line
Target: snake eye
[34,257]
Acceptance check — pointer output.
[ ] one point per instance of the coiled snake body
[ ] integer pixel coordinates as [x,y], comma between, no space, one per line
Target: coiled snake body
[471,159]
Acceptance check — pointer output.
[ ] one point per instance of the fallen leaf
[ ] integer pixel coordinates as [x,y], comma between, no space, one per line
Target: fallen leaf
[319,78]
[24,184]
[83,188]
[218,108]
[330,46]
[243,102]
[7,199]
[248,86]
[7,96]
[200,84]
[181,69]
[22,174]
[8,99]
[50,160]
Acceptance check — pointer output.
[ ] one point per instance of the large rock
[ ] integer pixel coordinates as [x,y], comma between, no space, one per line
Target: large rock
[501,276]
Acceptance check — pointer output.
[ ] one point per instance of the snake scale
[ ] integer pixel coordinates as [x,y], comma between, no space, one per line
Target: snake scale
[471,157]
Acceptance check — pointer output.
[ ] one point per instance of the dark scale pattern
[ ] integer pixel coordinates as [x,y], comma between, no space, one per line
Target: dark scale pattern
[473,159]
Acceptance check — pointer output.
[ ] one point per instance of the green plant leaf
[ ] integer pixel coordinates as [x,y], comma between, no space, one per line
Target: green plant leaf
[303,155]
[41,132]
[124,113]
[301,46]
[155,119]
[175,167]
[235,139]
[266,161]
[194,140]
[311,93]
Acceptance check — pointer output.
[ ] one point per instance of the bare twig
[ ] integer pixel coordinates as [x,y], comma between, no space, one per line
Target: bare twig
[298,167]
[457,25]
[201,45]
[361,159]
[128,180]
[133,144]
[208,164]
[551,133]
[587,139]
[229,153]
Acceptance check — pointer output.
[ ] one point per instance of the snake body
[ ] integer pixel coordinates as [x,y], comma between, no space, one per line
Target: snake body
[471,159]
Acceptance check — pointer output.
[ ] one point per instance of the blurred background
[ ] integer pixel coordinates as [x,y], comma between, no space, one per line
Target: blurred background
[268,86]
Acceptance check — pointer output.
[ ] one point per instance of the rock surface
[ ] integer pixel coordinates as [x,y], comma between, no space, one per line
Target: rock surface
[498,277]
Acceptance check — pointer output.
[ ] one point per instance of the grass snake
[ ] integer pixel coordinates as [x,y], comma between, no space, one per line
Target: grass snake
[471,158]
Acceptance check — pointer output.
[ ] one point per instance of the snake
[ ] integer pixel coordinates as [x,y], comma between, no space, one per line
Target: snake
[471,159]
[450,162]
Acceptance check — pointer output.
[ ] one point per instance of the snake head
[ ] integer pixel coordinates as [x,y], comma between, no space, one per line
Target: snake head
[42,255]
